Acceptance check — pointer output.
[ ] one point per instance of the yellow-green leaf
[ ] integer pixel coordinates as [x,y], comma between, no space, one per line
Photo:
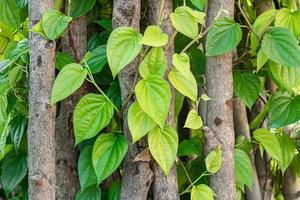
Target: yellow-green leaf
[213,161]
[202,191]
[193,120]
[154,37]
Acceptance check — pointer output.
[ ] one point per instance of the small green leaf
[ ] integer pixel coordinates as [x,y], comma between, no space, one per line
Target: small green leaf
[91,193]
[163,145]
[38,29]
[288,149]
[261,59]
[202,192]
[87,175]
[62,59]
[92,113]
[68,80]
[284,109]
[154,37]
[123,45]
[97,59]
[193,120]
[80,8]
[289,19]
[243,169]
[3,108]
[139,123]
[108,153]
[213,161]
[186,85]
[182,63]
[281,47]
[17,128]
[154,63]
[190,147]
[106,24]
[224,36]
[154,97]
[269,142]
[247,86]
[185,20]
[54,23]
[200,4]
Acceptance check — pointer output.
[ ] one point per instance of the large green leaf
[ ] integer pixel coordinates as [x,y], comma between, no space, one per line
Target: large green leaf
[79,7]
[243,168]
[185,20]
[54,23]
[289,19]
[92,113]
[97,59]
[68,80]
[247,86]
[17,128]
[163,145]
[281,46]
[9,14]
[91,193]
[108,153]
[154,37]
[288,149]
[287,78]
[139,123]
[154,97]
[123,45]
[213,161]
[284,109]
[13,170]
[193,120]
[185,84]
[182,63]
[190,147]
[269,142]
[202,192]
[87,175]
[154,63]
[224,36]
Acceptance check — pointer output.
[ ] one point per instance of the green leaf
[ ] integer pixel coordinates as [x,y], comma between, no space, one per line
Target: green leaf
[68,80]
[108,153]
[269,142]
[213,161]
[284,109]
[3,108]
[106,24]
[97,59]
[87,175]
[80,8]
[202,192]
[288,149]
[154,97]
[92,113]
[14,76]
[261,59]
[62,59]
[38,29]
[200,4]
[163,145]
[289,19]
[91,193]
[3,134]
[8,148]
[139,123]
[9,14]
[193,120]
[243,169]
[185,20]
[224,36]
[54,23]
[17,128]
[154,63]
[182,63]
[154,37]
[13,170]
[247,86]
[186,85]
[287,78]
[114,190]
[190,147]
[295,165]
[281,46]
[123,45]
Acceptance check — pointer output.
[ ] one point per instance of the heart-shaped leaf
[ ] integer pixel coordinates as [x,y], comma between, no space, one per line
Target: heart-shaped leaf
[202,192]
[154,37]
[193,120]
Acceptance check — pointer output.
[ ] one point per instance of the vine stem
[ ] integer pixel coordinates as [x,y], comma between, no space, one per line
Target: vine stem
[185,171]
[191,185]
[160,13]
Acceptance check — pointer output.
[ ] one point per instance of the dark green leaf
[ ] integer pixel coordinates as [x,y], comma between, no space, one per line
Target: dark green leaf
[114,190]
[80,8]
[243,168]
[190,147]
[62,59]
[17,128]
[97,59]
[91,193]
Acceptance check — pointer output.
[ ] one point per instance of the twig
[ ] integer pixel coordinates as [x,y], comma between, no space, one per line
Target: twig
[185,171]
[191,185]
[160,13]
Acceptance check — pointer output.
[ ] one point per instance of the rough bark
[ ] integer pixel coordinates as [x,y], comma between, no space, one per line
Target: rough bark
[241,127]
[41,127]
[137,176]
[291,186]
[67,182]
[219,118]
[164,187]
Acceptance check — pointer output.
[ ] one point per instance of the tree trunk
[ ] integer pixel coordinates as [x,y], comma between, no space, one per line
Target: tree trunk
[67,182]
[219,130]
[164,187]
[137,176]
[41,127]
[291,186]
[241,127]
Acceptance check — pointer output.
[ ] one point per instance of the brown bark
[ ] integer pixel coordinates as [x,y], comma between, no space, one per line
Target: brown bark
[67,182]
[219,118]
[291,186]
[241,127]
[41,127]
[137,176]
